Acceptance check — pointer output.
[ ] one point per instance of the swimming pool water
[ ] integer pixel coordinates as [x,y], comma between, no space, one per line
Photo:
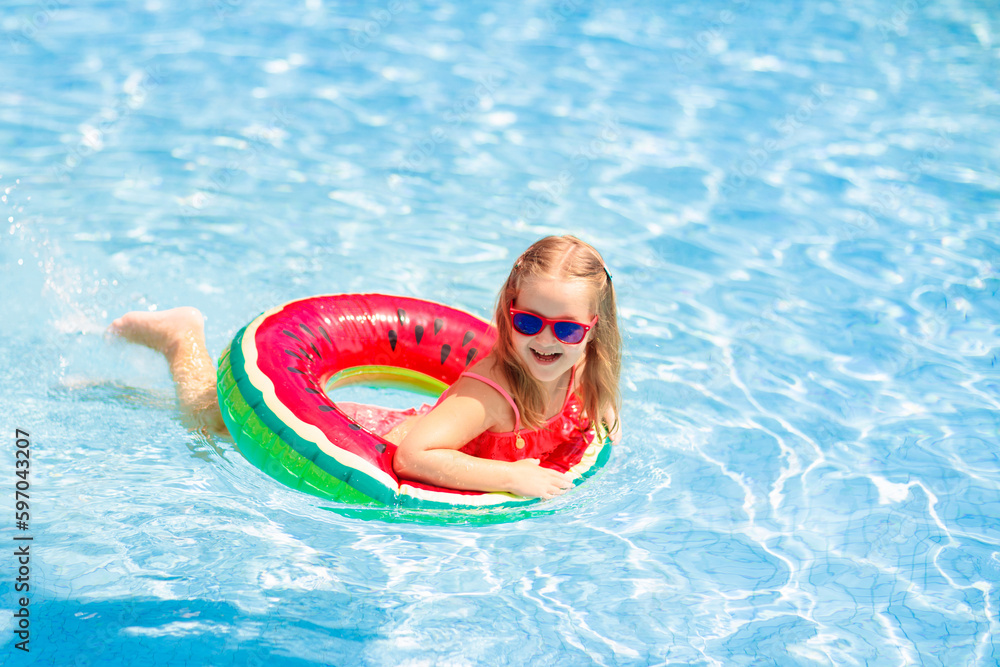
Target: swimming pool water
[798,202]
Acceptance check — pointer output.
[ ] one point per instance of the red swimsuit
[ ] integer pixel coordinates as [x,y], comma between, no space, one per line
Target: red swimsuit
[563,434]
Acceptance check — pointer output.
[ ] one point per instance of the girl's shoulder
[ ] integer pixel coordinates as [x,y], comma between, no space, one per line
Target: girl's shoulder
[485,382]
[485,367]
[485,374]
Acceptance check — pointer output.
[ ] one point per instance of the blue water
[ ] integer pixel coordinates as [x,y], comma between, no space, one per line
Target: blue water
[800,203]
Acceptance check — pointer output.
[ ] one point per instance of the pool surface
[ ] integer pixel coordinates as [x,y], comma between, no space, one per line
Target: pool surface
[800,204]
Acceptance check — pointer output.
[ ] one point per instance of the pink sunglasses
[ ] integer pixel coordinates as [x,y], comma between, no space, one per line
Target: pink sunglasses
[566,331]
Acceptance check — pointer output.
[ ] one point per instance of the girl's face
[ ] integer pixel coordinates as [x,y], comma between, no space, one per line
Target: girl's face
[544,355]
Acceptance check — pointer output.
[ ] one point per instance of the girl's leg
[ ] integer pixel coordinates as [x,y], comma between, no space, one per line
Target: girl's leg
[179,334]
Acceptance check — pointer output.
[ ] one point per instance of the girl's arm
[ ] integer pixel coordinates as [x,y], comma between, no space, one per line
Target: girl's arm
[429,452]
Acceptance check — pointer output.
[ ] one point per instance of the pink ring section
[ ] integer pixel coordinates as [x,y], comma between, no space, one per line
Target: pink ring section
[306,342]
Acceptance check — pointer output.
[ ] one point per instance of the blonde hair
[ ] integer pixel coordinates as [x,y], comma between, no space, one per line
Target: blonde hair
[569,258]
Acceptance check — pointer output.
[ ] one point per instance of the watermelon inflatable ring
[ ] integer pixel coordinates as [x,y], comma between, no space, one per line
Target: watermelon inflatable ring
[274,376]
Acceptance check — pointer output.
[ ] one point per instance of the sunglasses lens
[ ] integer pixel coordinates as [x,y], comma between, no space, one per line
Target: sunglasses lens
[568,332]
[527,324]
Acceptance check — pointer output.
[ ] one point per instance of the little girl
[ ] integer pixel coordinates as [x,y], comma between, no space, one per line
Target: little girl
[555,365]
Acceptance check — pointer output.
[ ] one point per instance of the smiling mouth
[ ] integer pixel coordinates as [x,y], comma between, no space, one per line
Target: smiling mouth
[546,358]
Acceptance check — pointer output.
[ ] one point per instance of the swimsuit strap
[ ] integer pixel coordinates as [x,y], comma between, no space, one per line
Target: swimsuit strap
[503,392]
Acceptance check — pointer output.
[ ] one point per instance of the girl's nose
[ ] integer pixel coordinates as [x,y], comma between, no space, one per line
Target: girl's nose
[546,336]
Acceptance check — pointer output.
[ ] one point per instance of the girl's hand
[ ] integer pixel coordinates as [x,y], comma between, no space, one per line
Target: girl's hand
[531,480]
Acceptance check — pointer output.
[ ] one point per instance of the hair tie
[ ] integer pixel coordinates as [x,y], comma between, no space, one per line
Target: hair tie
[606,272]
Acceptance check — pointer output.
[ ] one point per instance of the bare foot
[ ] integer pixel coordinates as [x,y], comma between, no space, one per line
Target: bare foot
[161,331]
[179,334]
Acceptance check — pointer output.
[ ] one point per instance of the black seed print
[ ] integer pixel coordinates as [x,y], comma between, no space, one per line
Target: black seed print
[305,328]
[313,346]
[325,335]
[380,447]
[468,338]
[392,339]
[294,355]
[354,427]
[305,354]
[310,390]
[469,357]
[326,408]
[419,332]
[289,333]
[445,351]
[295,370]
[438,323]
[401,316]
